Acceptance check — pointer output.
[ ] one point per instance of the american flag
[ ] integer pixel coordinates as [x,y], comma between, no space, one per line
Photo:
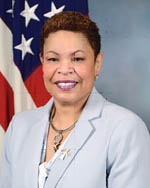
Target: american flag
[21,83]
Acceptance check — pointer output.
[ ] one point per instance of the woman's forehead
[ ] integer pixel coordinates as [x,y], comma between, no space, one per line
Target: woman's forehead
[70,53]
[66,40]
[67,34]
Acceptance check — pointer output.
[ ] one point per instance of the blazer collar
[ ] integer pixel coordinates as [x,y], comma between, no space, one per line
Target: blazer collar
[82,132]
[92,109]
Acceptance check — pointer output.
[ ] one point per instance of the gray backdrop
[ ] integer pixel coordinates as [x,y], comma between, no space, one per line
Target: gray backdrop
[125,30]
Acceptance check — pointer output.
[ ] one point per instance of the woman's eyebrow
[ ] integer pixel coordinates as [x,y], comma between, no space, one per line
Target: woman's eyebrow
[72,54]
[53,52]
[77,52]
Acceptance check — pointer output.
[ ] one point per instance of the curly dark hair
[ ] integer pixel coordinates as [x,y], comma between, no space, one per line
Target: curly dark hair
[75,22]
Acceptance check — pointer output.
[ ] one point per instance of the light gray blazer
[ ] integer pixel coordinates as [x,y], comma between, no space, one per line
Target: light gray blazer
[110,147]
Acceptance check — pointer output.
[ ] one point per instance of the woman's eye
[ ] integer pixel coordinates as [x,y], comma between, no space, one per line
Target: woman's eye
[78,59]
[52,59]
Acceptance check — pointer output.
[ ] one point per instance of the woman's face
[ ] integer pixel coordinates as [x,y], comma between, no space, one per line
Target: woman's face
[69,66]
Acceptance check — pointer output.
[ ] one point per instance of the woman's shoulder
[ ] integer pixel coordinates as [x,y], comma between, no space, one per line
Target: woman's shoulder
[29,118]
[119,112]
[32,113]
[114,115]
[112,111]
[121,118]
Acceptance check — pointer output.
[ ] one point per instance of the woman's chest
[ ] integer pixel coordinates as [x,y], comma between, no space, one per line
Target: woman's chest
[86,169]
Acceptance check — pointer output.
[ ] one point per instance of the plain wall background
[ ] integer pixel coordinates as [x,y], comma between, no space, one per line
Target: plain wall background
[125,30]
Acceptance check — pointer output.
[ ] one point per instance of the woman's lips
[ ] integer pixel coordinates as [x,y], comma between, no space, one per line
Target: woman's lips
[66,85]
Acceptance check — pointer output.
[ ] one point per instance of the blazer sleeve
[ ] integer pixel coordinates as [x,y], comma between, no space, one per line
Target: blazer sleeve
[5,170]
[129,155]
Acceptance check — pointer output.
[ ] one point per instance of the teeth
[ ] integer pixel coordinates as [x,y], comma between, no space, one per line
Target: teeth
[63,84]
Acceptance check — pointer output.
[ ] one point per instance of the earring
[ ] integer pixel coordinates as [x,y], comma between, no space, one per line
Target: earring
[96,77]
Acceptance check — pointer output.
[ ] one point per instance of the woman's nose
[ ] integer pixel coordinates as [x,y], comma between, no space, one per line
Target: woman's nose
[65,68]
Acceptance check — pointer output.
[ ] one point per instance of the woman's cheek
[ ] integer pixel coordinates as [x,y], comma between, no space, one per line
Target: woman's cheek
[86,73]
[47,71]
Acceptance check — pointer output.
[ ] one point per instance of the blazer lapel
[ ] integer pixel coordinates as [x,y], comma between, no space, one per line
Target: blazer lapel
[34,147]
[82,132]
[76,140]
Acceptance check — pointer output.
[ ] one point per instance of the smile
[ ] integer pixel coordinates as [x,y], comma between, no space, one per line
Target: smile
[66,85]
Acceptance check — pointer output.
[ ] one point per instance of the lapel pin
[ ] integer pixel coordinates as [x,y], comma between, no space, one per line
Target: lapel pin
[65,153]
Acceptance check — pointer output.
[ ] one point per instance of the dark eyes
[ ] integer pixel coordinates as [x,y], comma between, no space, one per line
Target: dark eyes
[74,59]
[78,59]
[53,59]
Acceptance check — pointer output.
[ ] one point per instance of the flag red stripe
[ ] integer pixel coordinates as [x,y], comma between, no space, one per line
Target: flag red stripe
[7,102]
[36,88]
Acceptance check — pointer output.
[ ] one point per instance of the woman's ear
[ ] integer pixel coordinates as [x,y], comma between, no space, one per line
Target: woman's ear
[98,63]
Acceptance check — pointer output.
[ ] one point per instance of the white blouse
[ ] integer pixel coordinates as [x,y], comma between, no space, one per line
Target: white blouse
[44,168]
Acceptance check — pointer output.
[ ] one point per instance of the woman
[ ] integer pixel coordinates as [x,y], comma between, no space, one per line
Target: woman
[79,139]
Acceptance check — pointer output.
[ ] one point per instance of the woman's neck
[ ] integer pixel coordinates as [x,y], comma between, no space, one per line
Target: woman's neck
[66,115]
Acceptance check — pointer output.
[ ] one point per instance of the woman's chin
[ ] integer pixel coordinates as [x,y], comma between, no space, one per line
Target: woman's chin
[73,99]
[65,100]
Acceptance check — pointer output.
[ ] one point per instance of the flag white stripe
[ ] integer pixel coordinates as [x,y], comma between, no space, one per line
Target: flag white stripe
[22,98]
